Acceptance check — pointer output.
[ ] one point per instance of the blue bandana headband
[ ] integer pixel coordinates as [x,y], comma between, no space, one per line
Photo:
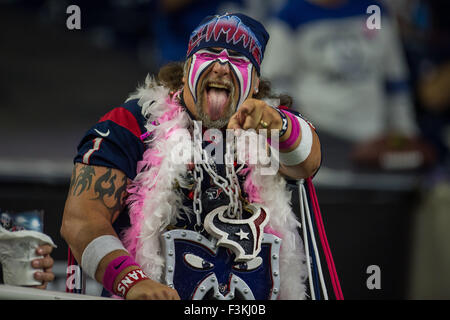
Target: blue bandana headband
[236,32]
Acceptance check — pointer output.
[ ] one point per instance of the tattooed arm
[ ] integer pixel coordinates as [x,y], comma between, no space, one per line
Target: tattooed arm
[96,197]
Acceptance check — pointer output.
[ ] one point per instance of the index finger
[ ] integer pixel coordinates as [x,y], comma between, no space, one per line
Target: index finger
[247,107]
[234,122]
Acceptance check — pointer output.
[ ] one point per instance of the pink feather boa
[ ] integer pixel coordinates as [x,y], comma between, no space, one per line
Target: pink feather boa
[138,190]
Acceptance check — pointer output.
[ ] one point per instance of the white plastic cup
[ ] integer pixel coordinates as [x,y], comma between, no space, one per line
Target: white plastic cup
[17,251]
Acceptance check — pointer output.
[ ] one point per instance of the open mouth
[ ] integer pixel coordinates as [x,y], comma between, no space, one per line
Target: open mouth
[217,98]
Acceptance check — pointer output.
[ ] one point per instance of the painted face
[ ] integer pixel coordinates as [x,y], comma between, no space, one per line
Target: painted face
[220,93]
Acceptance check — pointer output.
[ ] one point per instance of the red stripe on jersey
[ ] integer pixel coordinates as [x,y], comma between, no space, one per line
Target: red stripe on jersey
[123,118]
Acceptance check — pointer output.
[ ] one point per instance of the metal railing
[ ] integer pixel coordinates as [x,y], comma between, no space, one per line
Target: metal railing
[55,289]
[8,292]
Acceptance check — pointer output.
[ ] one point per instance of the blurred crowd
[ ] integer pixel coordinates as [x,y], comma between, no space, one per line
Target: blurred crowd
[382,88]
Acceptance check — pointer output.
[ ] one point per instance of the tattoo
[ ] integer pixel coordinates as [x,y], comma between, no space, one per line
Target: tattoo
[105,189]
[72,179]
[102,191]
[83,180]
[119,195]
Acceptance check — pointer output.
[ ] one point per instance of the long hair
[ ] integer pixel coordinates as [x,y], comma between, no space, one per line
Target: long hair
[171,74]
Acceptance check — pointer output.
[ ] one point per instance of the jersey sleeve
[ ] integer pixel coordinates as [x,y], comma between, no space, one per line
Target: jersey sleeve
[114,141]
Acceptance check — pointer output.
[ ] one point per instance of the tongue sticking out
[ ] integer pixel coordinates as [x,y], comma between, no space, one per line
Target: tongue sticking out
[217,101]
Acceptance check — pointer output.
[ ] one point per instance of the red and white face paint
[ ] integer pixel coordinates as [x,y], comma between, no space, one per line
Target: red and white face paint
[241,66]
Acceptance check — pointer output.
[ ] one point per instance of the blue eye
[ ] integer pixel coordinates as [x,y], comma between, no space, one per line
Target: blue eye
[241,266]
[249,265]
[197,262]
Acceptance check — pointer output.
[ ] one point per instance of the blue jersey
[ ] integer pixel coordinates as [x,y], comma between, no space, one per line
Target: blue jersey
[114,141]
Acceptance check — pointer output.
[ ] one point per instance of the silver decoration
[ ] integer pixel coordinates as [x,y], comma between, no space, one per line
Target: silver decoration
[210,283]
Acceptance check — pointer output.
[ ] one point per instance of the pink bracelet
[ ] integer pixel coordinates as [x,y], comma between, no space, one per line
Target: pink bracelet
[295,132]
[114,268]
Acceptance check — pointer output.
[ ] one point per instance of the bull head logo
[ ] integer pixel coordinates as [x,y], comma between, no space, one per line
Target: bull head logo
[242,236]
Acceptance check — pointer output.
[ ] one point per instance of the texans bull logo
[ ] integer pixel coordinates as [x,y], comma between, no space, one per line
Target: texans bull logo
[242,236]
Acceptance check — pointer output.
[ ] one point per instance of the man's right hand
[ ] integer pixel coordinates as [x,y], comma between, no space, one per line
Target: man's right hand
[151,290]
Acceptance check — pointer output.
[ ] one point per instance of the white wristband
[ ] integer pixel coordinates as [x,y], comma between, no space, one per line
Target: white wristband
[96,250]
[299,154]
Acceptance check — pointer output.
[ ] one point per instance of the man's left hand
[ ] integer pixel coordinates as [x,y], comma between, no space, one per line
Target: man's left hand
[255,114]
[45,263]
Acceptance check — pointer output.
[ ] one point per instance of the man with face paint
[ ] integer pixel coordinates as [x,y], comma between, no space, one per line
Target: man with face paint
[200,229]
[219,82]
